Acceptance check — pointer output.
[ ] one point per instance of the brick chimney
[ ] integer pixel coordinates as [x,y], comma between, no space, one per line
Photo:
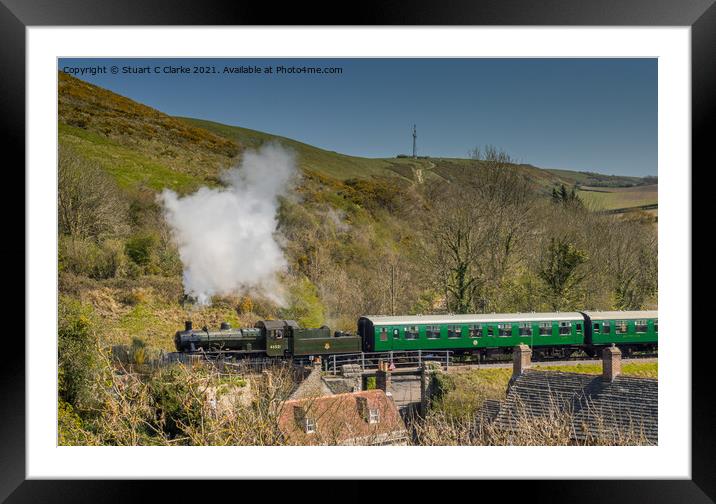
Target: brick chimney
[382,377]
[522,356]
[611,363]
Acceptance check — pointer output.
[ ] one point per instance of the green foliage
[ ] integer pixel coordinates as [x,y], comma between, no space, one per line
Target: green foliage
[80,365]
[176,400]
[559,269]
[139,248]
[304,304]
[562,196]
[70,428]
[460,395]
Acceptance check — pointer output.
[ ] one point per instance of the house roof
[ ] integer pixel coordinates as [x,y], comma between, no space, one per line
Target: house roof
[342,419]
[628,406]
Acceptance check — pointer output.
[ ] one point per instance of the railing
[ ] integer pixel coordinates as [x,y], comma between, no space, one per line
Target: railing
[396,359]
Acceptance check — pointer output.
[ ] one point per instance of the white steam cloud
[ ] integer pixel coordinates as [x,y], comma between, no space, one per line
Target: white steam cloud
[226,236]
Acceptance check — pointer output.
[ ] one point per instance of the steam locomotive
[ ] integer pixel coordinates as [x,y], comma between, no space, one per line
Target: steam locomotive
[548,334]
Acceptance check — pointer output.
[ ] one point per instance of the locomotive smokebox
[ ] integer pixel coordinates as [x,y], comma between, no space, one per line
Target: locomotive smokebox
[188,325]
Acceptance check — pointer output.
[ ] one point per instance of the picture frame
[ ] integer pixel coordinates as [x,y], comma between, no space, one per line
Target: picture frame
[16,16]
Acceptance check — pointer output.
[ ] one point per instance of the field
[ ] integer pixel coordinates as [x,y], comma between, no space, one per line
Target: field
[610,198]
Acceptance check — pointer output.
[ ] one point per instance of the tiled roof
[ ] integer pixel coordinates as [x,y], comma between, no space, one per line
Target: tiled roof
[343,419]
[626,406]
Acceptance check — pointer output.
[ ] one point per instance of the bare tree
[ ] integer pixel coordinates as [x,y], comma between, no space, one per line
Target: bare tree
[89,203]
[632,264]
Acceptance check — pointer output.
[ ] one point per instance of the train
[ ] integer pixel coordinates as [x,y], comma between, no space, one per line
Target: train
[557,334]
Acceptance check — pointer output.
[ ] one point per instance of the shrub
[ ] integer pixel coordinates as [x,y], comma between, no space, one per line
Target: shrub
[139,248]
[95,260]
[80,370]
[305,307]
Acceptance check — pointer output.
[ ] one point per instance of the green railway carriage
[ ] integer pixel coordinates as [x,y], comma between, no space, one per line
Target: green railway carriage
[627,330]
[484,333]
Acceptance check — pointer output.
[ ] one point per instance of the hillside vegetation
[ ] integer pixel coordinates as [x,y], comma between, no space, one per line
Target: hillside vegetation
[478,234]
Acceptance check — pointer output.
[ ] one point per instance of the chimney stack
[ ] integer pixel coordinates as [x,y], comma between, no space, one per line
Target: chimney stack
[187,325]
[611,363]
[382,376]
[522,359]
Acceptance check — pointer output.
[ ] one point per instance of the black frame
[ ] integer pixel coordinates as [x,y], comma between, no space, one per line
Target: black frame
[700,15]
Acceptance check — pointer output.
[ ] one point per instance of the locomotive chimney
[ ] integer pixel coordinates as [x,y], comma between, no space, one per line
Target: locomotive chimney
[187,325]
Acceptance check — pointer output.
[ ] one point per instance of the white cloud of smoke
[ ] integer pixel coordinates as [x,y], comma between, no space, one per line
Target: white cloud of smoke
[226,236]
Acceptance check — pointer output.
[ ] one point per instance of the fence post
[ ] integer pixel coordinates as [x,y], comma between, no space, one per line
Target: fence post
[391,357]
[362,361]
[420,357]
[334,364]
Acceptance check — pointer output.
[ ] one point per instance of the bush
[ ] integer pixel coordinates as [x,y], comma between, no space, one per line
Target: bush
[305,306]
[88,258]
[70,429]
[139,248]
[80,370]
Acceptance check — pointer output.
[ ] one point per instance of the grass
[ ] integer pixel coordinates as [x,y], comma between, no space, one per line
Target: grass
[129,167]
[636,369]
[608,198]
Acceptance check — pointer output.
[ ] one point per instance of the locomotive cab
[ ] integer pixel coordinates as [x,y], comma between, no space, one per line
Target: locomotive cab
[278,334]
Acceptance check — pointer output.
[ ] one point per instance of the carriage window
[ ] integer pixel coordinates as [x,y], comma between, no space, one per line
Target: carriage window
[641,326]
[596,328]
[656,325]
[384,334]
[476,331]
[454,331]
[579,327]
[411,332]
[490,330]
[606,329]
[545,328]
[432,332]
[396,333]
[525,329]
[504,330]
[565,328]
[621,326]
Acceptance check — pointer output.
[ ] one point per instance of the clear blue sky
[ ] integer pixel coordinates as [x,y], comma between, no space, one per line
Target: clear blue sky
[580,114]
